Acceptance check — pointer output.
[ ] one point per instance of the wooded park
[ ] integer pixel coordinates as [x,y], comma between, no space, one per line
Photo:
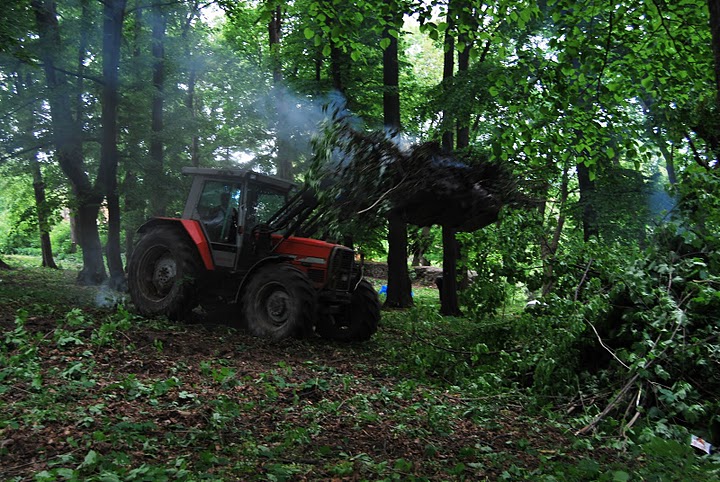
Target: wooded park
[529,190]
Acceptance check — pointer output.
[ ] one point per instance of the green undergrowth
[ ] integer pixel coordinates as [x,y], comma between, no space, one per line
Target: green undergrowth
[102,394]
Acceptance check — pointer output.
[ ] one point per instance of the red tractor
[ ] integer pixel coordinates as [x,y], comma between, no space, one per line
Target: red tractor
[236,243]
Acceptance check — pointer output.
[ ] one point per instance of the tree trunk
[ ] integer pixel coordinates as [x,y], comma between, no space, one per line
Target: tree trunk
[448,138]
[391,84]
[156,171]
[192,82]
[548,248]
[68,146]
[448,298]
[463,124]
[42,213]
[93,271]
[449,305]
[73,232]
[335,67]
[41,205]
[714,7]
[399,288]
[190,104]
[587,195]
[420,244]
[135,202]
[114,15]
[399,294]
[283,161]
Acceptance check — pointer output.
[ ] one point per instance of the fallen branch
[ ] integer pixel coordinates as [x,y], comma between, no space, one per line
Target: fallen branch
[619,397]
[582,280]
[612,353]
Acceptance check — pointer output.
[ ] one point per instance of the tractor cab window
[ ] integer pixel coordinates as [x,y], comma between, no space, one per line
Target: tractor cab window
[263,203]
[218,210]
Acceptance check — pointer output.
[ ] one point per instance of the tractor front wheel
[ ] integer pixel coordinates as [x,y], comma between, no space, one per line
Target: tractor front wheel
[279,302]
[356,322]
[163,273]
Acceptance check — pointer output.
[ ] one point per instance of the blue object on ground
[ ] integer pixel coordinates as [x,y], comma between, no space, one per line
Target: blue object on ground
[383,291]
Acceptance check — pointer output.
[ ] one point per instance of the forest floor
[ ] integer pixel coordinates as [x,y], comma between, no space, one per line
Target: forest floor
[93,393]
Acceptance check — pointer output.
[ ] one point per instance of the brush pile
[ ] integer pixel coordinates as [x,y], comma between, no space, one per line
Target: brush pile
[366,175]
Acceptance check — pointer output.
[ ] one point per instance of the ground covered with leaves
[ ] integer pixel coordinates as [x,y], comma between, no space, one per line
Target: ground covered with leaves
[94,393]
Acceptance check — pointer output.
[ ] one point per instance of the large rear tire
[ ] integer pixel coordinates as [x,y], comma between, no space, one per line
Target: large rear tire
[163,273]
[279,302]
[356,322]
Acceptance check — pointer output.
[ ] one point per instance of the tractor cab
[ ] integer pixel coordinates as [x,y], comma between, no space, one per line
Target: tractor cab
[230,204]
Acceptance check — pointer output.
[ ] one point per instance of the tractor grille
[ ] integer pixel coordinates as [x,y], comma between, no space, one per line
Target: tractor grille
[340,271]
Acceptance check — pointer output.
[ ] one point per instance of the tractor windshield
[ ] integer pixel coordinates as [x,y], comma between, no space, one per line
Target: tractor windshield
[263,203]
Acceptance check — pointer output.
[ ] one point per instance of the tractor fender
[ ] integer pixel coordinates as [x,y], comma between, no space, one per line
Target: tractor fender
[256,267]
[193,230]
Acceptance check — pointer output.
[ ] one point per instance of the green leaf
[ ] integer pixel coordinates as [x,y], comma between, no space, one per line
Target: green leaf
[384,43]
[326,50]
[309,33]
[355,55]
[90,459]
[620,476]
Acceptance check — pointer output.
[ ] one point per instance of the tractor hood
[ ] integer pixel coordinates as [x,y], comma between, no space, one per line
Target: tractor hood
[304,250]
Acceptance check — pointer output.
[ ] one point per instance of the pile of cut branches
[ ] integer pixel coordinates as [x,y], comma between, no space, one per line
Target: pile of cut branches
[365,175]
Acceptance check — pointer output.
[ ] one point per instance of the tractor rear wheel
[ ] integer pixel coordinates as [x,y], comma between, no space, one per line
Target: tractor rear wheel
[279,302]
[163,273]
[356,322]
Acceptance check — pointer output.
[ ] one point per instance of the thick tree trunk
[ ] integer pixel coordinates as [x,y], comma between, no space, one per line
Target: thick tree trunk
[399,288]
[391,84]
[93,270]
[157,169]
[399,294]
[114,15]
[68,146]
[449,305]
